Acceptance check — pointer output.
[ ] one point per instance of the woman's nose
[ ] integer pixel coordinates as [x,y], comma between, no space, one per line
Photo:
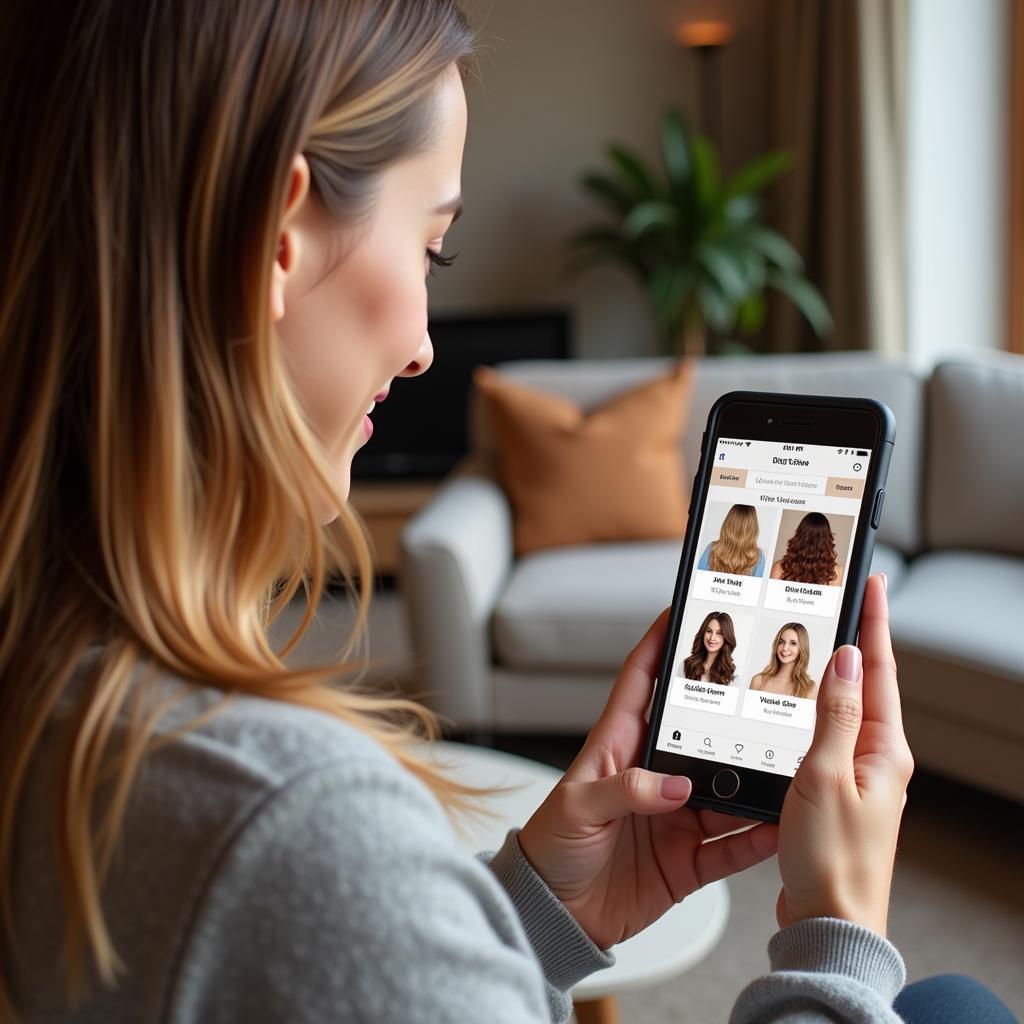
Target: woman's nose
[422,360]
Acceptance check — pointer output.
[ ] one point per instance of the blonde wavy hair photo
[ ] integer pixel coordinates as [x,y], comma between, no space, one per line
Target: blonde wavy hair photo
[160,482]
[803,685]
[736,549]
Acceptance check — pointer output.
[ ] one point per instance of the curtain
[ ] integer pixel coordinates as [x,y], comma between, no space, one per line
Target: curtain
[836,74]
[1015,288]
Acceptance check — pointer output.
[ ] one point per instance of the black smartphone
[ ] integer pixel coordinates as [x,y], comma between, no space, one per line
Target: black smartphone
[783,515]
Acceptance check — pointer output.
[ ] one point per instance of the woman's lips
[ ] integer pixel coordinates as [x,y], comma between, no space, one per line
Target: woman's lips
[367,422]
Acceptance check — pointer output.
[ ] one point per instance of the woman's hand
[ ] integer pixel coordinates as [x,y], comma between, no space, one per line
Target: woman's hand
[837,838]
[613,841]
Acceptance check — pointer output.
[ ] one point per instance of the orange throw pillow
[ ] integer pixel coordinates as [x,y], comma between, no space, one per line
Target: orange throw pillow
[615,473]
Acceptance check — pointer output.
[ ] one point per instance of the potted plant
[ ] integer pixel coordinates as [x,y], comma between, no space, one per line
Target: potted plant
[695,243]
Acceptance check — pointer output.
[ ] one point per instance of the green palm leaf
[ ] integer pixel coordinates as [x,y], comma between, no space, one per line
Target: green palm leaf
[694,242]
[806,298]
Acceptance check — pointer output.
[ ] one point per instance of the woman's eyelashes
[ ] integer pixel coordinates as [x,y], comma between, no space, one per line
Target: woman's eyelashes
[435,259]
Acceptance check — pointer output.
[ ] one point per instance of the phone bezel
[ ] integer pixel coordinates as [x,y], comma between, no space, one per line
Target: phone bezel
[799,419]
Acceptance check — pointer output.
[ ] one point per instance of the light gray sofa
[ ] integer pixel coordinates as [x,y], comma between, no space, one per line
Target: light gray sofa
[533,645]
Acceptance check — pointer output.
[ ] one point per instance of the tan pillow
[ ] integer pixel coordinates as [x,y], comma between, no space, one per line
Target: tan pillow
[613,474]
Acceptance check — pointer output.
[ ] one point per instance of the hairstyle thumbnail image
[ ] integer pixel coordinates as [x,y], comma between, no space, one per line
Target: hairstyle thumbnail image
[811,552]
[736,549]
[722,669]
[802,684]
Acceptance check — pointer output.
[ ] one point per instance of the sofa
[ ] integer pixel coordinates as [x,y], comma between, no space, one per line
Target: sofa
[533,644]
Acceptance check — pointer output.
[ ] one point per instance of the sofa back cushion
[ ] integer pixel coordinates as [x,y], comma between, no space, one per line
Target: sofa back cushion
[975,464]
[611,474]
[590,382]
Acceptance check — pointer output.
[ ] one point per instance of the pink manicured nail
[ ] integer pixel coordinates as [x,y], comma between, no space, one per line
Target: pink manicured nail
[848,663]
[674,787]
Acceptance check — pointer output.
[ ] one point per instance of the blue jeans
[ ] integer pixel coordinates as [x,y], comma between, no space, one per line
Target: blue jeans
[951,999]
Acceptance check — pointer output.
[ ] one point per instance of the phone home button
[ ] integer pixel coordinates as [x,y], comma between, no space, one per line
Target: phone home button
[726,783]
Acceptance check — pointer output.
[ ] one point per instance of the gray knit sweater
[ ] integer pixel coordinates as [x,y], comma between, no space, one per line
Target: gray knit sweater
[278,865]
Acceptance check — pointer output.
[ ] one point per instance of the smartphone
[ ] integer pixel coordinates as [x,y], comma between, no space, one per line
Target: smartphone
[783,515]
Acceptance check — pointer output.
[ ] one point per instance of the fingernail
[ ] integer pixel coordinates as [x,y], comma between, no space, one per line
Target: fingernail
[848,664]
[674,787]
[885,582]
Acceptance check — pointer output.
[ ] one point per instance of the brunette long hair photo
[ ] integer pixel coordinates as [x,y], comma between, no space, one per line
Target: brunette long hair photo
[736,549]
[811,552]
[723,669]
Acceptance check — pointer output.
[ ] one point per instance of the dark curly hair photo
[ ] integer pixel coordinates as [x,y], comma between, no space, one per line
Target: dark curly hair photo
[810,554]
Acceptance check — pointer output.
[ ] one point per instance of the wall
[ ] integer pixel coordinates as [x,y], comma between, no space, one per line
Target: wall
[559,80]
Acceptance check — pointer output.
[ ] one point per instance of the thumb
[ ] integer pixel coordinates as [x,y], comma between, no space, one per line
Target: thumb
[839,711]
[634,791]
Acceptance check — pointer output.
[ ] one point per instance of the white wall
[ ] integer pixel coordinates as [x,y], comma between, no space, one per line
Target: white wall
[559,80]
[957,171]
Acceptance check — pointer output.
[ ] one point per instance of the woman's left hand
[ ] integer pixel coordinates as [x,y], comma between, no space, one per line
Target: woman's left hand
[615,842]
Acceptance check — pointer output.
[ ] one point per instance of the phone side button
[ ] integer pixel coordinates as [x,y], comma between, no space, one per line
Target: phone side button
[726,783]
[876,512]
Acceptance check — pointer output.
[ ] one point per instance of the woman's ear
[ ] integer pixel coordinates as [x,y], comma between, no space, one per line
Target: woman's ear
[288,246]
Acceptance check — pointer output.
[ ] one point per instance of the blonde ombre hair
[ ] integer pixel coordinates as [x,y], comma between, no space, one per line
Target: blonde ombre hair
[736,549]
[803,684]
[159,473]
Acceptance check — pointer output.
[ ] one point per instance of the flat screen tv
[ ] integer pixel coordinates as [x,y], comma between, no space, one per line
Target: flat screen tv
[421,430]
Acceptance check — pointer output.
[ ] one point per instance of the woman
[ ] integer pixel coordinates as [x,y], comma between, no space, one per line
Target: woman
[786,671]
[810,554]
[214,264]
[736,551]
[710,659]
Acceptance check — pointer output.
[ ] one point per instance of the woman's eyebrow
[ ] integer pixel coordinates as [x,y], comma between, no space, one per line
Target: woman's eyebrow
[453,206]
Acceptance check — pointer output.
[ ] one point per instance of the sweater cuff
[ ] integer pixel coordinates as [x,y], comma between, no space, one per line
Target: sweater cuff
[829,945]
[565,951]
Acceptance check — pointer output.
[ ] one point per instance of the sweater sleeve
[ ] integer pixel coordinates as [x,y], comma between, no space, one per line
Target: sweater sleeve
[825,971]
[345,896]
[565,951]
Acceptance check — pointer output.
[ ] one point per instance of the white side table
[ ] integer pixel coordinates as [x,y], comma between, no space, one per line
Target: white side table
[673,944]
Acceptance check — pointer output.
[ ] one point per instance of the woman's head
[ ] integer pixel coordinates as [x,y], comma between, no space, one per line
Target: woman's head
[352,323]
[736,549]
[811,552]
[216,220]
[715,641]
[791,652]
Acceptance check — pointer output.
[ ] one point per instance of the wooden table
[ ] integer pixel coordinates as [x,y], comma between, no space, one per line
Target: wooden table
[386,506]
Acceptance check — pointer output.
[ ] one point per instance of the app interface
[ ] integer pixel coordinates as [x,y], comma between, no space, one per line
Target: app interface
[763,601]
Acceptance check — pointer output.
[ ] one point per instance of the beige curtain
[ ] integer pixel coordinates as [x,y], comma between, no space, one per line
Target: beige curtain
[836,72]
[883,79]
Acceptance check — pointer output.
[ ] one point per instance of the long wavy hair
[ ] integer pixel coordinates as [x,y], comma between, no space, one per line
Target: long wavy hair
[736,549]
[159,472]
[723,669]
[811,552]
[803,684]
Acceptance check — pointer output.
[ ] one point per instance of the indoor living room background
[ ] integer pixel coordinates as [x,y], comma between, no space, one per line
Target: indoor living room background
[883,142]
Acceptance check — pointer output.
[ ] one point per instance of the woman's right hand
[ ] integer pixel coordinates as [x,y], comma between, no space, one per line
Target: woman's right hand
[841,816]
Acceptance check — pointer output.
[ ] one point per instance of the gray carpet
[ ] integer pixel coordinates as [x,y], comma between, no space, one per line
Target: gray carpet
[958,896]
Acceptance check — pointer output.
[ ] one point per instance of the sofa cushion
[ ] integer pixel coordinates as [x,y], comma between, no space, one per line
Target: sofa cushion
[593,381]
[611,474]
[892,563]
[975,467]
[585,607]
[957,618]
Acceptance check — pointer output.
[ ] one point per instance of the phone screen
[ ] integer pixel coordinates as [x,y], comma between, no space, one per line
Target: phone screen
[763,602]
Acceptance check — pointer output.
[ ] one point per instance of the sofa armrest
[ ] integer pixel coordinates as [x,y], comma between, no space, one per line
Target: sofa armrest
[456,557]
